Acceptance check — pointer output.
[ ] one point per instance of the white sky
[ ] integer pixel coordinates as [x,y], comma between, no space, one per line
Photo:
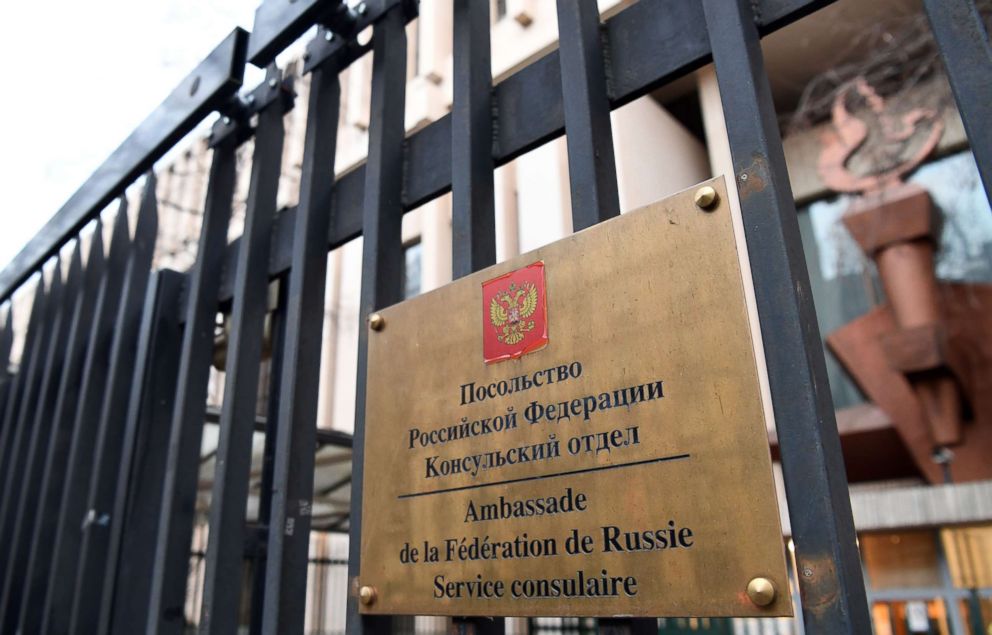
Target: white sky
[81,75]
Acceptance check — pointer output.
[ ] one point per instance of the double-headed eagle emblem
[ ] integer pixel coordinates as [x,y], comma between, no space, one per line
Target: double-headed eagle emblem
[509,310]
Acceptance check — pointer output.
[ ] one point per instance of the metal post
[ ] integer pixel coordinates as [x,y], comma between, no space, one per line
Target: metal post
[473,217]
[100,596]
[592,171]
[175,532]
[473,210]
[952,607]
[50,494]
[964,45]
[113,413]
[299,374]
[259,558]
[830,581]
[382,261]
[134,522]
[229,499]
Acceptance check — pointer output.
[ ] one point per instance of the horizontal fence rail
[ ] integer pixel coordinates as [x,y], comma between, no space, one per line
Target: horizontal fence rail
[102,416]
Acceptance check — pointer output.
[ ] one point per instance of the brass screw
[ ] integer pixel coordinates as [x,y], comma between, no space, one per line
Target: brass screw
[376,322]
[367,595]
[706,198]
[761,591]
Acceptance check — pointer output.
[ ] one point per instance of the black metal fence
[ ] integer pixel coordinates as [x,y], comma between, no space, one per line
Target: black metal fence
[102,418]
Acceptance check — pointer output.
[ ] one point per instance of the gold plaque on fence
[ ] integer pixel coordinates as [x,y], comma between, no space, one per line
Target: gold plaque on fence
[577,431]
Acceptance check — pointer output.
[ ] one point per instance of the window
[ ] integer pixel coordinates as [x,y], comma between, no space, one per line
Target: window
[844,281]
[412,253]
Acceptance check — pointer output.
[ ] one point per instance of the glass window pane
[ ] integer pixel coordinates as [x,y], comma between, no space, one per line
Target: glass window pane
[969,555]
[845,282]
[411,270]
[901,560]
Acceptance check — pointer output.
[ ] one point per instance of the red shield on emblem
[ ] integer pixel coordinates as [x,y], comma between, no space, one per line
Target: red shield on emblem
[514,314]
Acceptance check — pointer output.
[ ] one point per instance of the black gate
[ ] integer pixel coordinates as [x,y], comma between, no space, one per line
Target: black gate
[103,418]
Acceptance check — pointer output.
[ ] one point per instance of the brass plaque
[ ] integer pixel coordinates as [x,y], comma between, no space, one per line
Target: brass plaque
[577,432]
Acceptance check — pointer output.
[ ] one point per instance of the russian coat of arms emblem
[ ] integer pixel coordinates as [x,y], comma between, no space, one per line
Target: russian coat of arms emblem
[515,317]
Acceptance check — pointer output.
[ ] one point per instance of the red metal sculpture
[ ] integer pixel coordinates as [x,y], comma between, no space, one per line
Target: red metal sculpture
[923,356]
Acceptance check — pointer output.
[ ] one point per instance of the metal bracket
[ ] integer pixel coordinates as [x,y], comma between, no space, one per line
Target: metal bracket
[234,121]
[277,24]
[332,50]
[236,114]
[336,43]
[275,88]
[368,12]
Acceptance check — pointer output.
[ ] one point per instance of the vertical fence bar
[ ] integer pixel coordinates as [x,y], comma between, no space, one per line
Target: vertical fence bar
[382,261]
[259,558]
[40,424]
[110,436]
[964,44]
[228,501]
[21,430]
[473,209]
[592,171]
[50,494]
[130,431]
[78,468]
[591,164]
[127,586]
[143,345]
[7,339]
[6,377]
[176,513]
[830,576]
[299,382]
[6,343]
[473,222]
[19,381]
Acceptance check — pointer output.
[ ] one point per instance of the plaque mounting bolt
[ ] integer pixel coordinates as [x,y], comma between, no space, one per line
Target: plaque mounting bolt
[706,198]
[761,591]
[376,322]
[367,595]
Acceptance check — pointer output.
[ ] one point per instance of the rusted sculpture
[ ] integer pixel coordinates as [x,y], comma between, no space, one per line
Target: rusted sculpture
[851,134]
[919,357]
